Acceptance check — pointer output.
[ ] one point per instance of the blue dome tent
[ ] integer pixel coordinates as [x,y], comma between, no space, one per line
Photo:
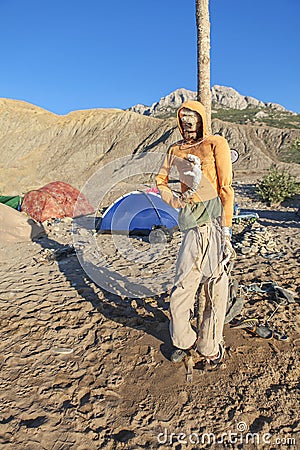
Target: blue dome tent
[138,213]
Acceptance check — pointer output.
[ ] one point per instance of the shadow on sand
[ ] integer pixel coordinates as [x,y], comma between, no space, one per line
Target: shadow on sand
[285,219]
[137,313]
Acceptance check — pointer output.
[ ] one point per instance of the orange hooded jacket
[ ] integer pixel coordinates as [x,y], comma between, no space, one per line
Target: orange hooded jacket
[215,184]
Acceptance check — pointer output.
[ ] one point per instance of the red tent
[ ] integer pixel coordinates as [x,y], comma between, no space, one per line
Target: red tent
[54,201]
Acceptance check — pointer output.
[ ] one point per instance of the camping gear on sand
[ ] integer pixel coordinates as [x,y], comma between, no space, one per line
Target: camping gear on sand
[281,295]
[255,326]
[54,201]
[258,329]
[235,301]
[138,213]
[14,201]
[16,227]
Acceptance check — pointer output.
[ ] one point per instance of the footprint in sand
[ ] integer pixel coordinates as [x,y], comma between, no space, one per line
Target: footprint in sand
[142,419]
[114,381]
[144,416]
[171,405]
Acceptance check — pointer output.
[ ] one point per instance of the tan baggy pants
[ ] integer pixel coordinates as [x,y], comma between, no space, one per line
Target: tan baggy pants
[199,262]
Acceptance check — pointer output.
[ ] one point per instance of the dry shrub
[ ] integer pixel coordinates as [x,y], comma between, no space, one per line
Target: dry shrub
[277,186]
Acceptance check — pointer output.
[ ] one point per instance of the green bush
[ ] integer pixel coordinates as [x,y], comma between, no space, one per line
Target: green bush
[277,186]
[290,153]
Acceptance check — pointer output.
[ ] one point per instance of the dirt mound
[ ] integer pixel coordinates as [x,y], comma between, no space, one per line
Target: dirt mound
[39,146]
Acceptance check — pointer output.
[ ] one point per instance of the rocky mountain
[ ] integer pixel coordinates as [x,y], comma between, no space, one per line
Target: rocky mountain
[227,97]
[222,97]
[38,146]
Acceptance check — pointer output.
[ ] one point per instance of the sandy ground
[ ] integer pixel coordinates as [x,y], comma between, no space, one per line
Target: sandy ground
[84,369]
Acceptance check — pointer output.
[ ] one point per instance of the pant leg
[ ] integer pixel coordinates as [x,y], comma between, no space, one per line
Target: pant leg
[182,301]
[201,253]
[211,328]
[187,280]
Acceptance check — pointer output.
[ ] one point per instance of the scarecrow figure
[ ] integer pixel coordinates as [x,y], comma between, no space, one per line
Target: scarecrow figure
[205,217]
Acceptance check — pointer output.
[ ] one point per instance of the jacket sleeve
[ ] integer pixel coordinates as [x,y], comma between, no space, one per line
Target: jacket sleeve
[162,179]
[224,175]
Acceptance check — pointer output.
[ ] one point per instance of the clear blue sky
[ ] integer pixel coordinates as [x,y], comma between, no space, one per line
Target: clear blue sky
[70,54]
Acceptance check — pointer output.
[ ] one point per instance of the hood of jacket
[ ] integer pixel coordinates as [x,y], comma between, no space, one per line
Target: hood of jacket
[196,106]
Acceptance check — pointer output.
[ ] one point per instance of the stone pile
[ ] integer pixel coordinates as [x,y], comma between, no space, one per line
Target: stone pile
[257,240]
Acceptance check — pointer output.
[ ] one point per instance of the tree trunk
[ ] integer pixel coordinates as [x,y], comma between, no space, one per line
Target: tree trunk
[203,57]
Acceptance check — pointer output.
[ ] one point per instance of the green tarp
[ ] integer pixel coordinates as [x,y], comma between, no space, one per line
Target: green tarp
[12,201]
